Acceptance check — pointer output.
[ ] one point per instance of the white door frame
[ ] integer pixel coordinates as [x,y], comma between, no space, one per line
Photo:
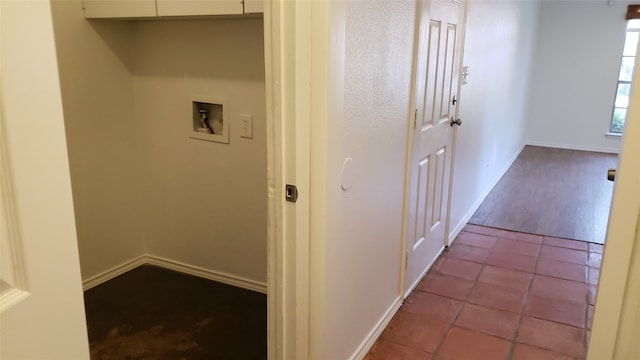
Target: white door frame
[616,323]
[293,31]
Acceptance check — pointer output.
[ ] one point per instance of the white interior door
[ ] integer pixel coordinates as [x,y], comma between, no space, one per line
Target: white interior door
[436,92]
[41,305]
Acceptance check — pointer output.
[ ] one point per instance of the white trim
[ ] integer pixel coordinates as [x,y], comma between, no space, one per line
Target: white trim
[288,45]
[275,275]
[411,119]
[12,297]
[115,271]
[13,274]
[611,135]
[485,193]
[219,276]
[611,333]
[462,80]
[602,149]
[367,343]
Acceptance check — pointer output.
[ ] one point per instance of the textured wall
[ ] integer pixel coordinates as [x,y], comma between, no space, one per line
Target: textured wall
[364,246]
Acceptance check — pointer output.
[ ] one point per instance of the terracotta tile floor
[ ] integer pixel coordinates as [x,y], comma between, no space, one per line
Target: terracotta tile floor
[497,294]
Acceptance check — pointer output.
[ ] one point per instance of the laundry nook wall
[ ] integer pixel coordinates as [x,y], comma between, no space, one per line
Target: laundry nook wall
[142,184]
[206,202]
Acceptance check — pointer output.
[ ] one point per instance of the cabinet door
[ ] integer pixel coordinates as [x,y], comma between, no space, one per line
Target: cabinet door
[199,7]
[119,8]
[253,6]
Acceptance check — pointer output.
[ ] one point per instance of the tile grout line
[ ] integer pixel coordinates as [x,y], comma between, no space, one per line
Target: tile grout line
[519,232]
[526,301]
[513,342]
[464,302]
[586,265]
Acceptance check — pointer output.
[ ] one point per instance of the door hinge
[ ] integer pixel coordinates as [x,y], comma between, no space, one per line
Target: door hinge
[291,193]
[415,119]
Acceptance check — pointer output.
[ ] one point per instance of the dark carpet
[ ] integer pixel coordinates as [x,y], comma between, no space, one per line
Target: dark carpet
[154,313]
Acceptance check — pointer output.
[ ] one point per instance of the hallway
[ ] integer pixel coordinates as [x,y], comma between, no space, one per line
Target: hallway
[552,192]
[496,294]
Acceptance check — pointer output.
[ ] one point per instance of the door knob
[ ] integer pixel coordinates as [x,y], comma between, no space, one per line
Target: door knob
[611,175]
[456,122]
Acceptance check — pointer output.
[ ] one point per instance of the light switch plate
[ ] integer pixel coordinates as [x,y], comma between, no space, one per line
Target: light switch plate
[246,123]
[465,75]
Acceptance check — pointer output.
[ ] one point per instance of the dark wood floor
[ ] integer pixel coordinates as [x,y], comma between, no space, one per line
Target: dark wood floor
[153,313]
[552,192]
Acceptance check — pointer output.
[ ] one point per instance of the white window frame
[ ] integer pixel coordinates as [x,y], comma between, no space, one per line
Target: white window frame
[633,26]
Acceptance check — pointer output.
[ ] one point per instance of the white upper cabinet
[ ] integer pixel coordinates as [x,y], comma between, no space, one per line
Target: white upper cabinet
[199,7]
[253,6]
[160,8]
[119,8]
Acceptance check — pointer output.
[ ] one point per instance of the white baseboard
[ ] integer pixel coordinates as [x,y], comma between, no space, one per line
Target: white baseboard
[113,272]
[601,149]
[373,335]
[465,219]
[219,276]
[222,277]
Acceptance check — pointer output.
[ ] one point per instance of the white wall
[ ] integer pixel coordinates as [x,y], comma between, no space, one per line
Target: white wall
[97,94]
[363,247]
[576,64]
[493,105]
[141,186]
[50,322]
[205,203]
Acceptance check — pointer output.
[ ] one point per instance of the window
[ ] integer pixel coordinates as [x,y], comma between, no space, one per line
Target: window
[621,102]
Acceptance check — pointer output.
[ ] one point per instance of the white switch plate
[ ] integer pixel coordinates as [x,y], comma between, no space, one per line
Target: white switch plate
[465,75]
[246,123]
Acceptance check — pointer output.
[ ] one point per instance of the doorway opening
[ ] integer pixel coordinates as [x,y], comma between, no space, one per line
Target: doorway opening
[158,206]
[577,211]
